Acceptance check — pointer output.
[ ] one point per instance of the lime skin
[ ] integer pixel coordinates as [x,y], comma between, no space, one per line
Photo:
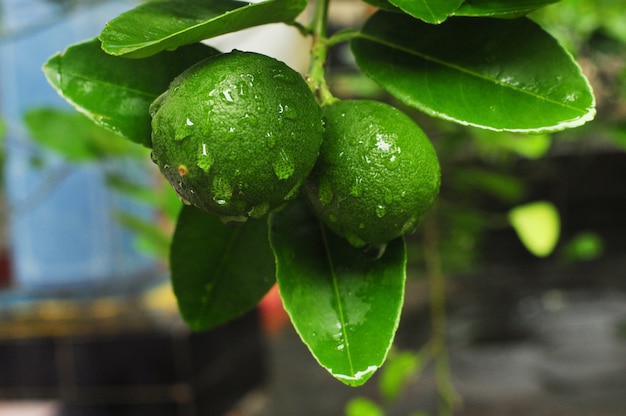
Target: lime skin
[377,174]
[236,134]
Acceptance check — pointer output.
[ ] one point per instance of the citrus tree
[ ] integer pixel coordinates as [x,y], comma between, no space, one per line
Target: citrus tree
[283,182]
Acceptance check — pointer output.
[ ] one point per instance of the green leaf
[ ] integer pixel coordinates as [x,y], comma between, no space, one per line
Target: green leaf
[430,11]
[73,135]
[345,305]
[530,146]
[465,70]
[114,92]
[505,187]
[149,236]
[537,225]
[164,25]
[501,8]
[584,246]
[218,271]
[400,367]
[361,406]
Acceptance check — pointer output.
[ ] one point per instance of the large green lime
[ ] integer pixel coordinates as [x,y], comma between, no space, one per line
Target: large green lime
[236,134]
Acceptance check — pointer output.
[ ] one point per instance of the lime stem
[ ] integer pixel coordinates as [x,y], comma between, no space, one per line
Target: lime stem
[448,399]
[319,51]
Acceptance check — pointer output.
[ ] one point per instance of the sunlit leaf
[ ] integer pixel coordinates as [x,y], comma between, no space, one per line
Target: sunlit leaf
[430,11]
[500,8]
[218,271]
[164,25]
[465,70]
[344,304]
[537,225]
[114,92]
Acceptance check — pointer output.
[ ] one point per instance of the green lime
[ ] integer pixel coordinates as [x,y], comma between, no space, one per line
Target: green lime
[377,173]
[236,134]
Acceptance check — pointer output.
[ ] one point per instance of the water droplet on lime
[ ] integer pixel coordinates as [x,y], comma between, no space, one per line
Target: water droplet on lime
[381,210]
[228,96]
[374,252]
[391,162]
[354,240]
[279,75]
[233,220]
[410,225]
[222,191]
[270,140]
[293,192]
[283,166]
[251,118]
[205,159]
[182,199]
[389,197]
[356,189]
[288,111]
[157,103]
[325,191]
[259,210]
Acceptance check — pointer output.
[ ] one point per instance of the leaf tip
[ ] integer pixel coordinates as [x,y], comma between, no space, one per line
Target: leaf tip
[358,378]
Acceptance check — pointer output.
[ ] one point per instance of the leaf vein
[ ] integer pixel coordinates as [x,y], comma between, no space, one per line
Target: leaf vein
[467,71]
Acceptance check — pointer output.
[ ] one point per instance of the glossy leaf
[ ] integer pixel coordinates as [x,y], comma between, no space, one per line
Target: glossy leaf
[537,225]
[344,305]
[465,70]
[218,271]
[164,25]
[430,11]
[116,92]
[500,8]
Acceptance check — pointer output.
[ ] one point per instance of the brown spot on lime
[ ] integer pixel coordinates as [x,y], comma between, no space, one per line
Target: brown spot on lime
[182,170]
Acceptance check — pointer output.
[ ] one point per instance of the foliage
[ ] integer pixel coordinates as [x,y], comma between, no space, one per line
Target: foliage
[451,60]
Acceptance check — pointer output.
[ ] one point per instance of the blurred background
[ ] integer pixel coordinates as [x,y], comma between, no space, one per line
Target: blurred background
[88,323]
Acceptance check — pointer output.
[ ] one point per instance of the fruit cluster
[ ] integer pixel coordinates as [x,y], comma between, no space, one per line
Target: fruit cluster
[239,135]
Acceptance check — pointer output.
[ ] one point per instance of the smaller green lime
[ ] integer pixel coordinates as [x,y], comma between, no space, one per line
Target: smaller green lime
[377,173]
